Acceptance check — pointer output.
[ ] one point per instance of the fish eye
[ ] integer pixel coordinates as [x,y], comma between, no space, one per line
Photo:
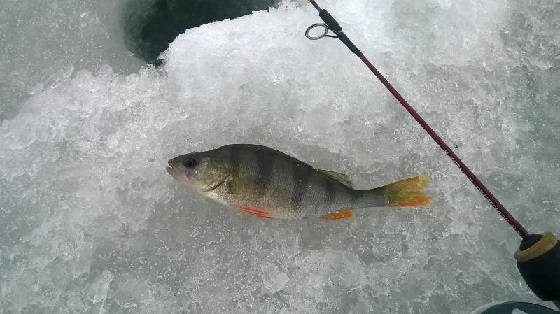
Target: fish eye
[190,163]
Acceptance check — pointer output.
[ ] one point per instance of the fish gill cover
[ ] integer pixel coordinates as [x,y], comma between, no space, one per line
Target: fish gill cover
[91,221]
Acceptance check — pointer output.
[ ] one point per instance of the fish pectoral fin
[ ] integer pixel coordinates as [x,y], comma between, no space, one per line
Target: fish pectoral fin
[216,185]
[256,212]
[341,214]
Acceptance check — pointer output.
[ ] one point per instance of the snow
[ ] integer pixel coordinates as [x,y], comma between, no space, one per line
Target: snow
[91,222]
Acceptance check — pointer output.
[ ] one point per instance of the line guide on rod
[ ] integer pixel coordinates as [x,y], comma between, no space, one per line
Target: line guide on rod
[331,24]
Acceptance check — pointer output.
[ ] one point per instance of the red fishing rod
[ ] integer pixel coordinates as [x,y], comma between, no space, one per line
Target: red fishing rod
[538,257]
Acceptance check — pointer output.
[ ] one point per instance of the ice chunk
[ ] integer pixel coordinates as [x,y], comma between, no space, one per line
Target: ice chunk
[101,287]
[274,280]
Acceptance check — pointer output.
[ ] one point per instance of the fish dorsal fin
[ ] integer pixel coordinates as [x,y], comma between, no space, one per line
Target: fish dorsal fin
[340,177]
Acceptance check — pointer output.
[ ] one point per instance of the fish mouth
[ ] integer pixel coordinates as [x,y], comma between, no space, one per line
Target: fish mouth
[169,168]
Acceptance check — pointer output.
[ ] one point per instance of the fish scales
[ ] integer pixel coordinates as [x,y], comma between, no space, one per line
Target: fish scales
[266,182]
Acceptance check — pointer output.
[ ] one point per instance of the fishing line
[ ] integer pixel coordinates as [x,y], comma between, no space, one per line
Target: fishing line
[331,24]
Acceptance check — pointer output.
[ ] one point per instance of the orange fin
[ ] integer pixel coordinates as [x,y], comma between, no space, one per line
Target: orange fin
[256,212]
[341,214]
[418,203]
[408,192]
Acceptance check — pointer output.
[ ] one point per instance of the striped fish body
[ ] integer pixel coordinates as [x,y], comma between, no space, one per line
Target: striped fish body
[268,183]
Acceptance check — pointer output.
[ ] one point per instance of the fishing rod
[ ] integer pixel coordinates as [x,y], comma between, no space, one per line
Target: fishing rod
[538,257]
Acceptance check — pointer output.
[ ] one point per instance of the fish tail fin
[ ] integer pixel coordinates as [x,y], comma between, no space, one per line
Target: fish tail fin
[408,192]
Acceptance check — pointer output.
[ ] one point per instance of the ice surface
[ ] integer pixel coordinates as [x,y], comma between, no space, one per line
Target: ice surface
[91,222]
[150,25]
[40,41]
